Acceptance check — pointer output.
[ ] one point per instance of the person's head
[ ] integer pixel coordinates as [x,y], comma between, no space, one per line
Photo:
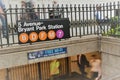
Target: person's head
[98,7]
[54,2]
[94,56]
[83,57]
[79,55]
[55,60]
[23,3]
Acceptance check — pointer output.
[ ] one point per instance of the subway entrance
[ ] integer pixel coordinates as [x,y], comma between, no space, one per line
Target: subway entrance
[66,69]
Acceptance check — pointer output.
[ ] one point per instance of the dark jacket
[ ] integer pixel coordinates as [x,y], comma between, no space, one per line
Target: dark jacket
[83,60]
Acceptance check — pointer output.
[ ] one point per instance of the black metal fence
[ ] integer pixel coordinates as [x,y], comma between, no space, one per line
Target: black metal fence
[83,19]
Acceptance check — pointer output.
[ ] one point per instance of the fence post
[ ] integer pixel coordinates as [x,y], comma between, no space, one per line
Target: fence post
[79,10]
[83,19]
[90,7]
[38,10]
[67,12]
[87,21]
[75,22]
[71,9]
[7,29]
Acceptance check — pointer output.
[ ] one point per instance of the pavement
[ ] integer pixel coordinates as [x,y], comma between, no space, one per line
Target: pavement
[74,76]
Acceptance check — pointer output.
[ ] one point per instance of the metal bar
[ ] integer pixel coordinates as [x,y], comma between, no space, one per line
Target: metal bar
[7,29]
[94,19]
[79,10]
[71,12]
[75,12]
[107,15]
[113,20]
[103,10]
[83,19]
[62,12]
[87,21]
[1,44]
[11,18]
[67,12]
[91,20]
[38,10]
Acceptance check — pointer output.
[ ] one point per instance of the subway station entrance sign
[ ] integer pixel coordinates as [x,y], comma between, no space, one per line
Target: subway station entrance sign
[43,30]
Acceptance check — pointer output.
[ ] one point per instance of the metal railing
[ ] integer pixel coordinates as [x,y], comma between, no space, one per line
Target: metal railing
[82,19]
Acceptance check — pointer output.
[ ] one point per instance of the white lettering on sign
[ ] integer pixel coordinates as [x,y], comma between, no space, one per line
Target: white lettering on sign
[55,26]
[20,29]
[32,24]
[40,27]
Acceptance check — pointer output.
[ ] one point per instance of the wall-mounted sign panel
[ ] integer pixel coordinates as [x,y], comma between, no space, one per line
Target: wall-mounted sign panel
[42,30]
[47,53]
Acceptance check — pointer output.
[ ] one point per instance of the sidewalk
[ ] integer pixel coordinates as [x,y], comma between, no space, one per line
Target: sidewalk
[74,76]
